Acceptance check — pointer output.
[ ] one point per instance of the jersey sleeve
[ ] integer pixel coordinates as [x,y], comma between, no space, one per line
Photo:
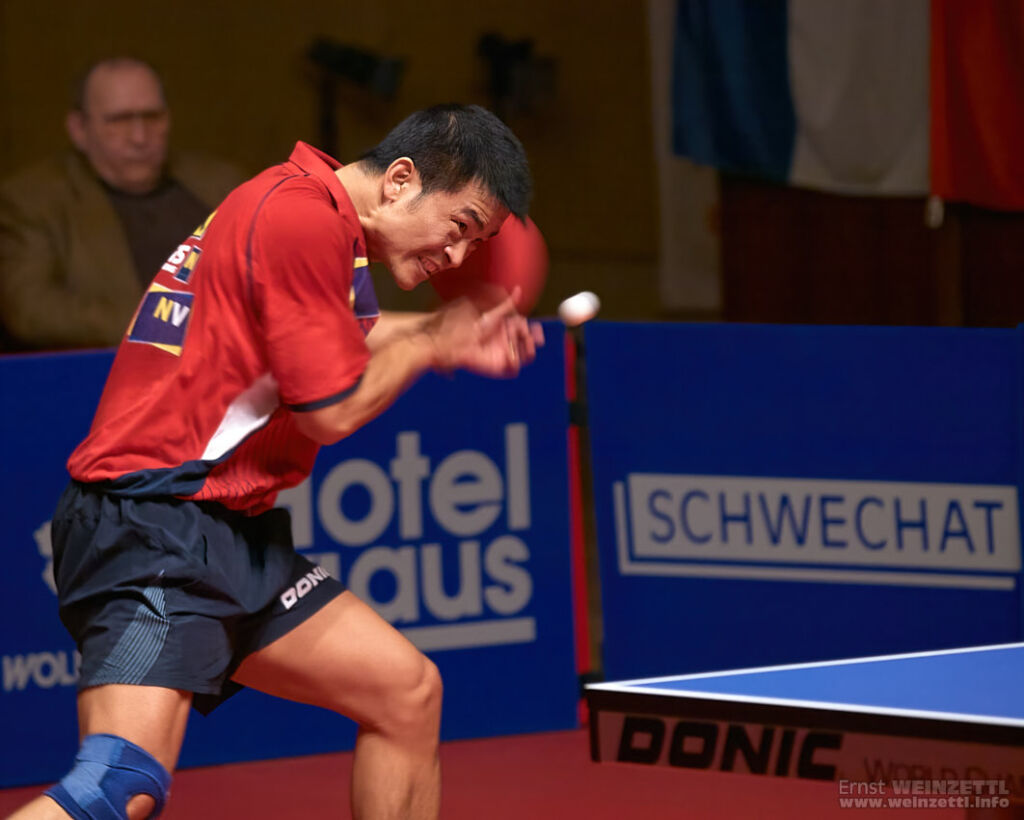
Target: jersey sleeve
[301,266]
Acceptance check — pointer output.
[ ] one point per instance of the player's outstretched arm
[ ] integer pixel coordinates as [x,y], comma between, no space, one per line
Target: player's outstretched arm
[495,343]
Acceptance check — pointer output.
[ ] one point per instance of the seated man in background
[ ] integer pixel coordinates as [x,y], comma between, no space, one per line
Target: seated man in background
[82,234]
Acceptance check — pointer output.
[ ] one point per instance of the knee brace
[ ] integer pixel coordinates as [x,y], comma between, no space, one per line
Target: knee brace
[108,772]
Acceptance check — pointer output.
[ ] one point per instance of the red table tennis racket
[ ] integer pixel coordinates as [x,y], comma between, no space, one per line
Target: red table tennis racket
[516,257]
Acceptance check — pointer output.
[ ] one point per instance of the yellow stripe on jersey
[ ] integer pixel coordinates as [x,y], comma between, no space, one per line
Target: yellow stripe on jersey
[198,232]
[175,349]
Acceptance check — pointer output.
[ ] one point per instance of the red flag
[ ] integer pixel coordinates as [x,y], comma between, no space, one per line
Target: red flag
[977,98]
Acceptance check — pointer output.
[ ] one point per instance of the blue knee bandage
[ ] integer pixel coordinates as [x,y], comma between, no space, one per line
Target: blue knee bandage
[108,772]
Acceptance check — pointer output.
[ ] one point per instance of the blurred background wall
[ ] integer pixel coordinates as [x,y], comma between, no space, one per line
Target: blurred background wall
[241,87]
[626,213]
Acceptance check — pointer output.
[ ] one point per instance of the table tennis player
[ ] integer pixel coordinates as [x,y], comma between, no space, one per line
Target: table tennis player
[258,341]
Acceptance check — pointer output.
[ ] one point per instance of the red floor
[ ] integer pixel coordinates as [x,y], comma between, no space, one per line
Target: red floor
[530,777]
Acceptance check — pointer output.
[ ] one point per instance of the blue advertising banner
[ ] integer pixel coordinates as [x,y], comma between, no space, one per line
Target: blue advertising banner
[449,514]
[772,494]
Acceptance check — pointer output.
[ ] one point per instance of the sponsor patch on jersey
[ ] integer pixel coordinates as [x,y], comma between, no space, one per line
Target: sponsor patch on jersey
[162,319]
[362,297]
[191,260]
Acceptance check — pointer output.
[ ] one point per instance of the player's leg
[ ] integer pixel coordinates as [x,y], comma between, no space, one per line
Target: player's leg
[150,717]
[348,659]
[138,728]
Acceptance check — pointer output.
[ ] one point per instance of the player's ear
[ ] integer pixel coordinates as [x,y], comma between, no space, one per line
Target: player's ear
[398,177]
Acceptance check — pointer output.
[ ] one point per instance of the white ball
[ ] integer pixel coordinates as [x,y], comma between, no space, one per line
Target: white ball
[579,308]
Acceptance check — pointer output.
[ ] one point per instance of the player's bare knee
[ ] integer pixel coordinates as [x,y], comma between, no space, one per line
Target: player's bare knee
[431,688]
[419,701]
[413,706]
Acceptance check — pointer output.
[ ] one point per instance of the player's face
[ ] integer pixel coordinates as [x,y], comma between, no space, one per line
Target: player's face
[124,128]
[423,235]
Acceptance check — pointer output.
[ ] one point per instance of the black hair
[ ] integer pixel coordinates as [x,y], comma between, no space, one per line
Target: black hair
[454,145]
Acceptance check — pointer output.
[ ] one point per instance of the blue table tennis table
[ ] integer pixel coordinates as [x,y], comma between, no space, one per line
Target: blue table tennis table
[925,726]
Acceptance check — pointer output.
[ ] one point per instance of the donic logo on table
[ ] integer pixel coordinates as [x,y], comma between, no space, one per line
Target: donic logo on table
[162,319]
[438,546]
[925,534]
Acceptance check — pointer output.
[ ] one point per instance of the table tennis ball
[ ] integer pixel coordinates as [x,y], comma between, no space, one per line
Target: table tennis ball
[579,308]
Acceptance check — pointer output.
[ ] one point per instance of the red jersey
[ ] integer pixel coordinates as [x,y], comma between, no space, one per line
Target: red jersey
[261,312]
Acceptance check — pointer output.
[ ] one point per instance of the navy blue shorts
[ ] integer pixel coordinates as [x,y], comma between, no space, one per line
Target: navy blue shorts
[173,593]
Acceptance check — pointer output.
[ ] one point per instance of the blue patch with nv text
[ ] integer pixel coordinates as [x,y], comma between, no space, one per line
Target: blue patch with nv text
[163,319]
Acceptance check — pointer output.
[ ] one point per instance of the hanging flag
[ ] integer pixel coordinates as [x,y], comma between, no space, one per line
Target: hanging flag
[825,95]
[977,128]
[689,283]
